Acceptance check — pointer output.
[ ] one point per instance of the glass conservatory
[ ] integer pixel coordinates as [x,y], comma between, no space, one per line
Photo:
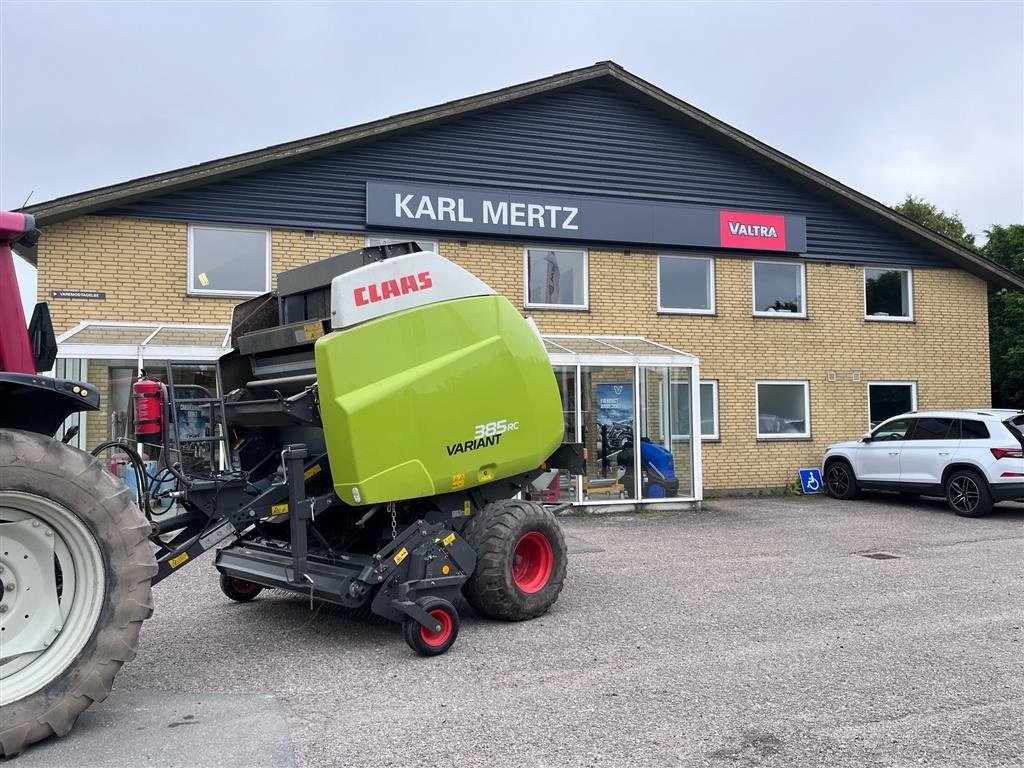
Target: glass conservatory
[633,403]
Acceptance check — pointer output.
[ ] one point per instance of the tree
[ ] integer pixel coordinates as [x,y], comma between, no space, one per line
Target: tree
[1005,246]
[948,224]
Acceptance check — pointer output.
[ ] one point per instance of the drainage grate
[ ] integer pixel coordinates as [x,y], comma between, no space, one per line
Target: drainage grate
[879,555]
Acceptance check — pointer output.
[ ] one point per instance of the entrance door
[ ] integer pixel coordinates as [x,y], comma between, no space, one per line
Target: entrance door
[609,432]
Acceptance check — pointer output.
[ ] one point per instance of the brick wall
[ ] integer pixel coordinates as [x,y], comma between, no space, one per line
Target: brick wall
[141,265]
[97,423]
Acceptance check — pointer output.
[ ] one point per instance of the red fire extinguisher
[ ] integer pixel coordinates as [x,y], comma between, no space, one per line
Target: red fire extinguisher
[148,402]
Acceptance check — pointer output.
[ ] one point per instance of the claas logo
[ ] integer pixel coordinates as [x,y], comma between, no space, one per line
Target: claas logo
[389,289]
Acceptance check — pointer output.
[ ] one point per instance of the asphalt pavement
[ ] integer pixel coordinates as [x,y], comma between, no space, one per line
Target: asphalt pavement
[755,632]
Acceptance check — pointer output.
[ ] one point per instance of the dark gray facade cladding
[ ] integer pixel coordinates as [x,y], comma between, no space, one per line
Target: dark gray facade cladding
[590,139]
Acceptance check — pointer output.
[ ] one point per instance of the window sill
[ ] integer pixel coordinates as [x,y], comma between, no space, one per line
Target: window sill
[222,294]
[780,315]
[782,439]
[880,319]
[688,312]
[555,308]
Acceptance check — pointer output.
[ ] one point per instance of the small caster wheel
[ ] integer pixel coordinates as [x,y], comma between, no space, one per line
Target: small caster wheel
[426,642]
[239,590]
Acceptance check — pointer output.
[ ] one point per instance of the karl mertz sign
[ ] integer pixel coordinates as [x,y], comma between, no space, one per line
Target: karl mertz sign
[597,219]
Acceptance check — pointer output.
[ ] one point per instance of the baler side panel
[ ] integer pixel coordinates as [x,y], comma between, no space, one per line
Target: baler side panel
[437,398]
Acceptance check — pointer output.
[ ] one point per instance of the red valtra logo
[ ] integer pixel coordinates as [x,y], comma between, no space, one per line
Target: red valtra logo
[388,289]
[760,231]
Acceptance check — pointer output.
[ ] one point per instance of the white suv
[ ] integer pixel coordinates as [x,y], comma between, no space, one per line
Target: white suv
[973,458]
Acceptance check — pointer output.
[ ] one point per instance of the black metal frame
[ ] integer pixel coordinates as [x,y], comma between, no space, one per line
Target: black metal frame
[426,557]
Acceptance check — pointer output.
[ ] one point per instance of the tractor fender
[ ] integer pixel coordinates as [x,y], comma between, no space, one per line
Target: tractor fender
[39,404]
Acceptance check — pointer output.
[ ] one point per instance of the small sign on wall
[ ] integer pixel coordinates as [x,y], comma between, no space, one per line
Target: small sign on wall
[65,294]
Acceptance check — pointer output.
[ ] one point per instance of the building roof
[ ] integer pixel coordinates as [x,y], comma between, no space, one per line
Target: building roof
[97,200]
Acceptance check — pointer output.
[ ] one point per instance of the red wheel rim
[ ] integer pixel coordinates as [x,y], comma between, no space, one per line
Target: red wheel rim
[243,587]
[434,639]
[533,562]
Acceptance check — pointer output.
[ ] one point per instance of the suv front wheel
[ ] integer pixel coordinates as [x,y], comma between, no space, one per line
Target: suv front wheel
[840,482]
[967,494]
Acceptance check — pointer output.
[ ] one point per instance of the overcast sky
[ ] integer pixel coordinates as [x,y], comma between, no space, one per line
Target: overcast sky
[889,98]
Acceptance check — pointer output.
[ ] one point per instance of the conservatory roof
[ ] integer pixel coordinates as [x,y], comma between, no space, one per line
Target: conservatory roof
[175,341]
[125,340]
[613,350]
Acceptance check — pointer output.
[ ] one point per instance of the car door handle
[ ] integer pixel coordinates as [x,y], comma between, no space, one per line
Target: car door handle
[944,453]
[894,453]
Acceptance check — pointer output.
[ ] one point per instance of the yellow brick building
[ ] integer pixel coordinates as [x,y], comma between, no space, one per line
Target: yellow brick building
[812,310]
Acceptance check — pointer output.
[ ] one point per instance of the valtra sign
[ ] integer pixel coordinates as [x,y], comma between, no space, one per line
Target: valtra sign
[421,207]
[760,231]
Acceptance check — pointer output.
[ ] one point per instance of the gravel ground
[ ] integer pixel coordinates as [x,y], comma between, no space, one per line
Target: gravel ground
[750,633]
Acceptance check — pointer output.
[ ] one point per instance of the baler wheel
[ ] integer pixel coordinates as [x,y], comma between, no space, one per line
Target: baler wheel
[239,590]
[426,642]
[521,560]
[76,569]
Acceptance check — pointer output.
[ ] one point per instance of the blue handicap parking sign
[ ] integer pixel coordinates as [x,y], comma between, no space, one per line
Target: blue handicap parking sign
[810,480]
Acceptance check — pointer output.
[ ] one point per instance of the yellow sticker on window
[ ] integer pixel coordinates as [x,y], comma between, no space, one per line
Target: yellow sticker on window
[401,555]
[458,479]
[203,279]
[174,562]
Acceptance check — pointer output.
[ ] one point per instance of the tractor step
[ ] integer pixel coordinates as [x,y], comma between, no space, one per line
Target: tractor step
[329,580]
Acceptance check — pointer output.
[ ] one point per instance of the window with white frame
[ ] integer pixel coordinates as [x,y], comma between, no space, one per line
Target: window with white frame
[708,410]
[426,245]
[556,278]
[890,398]
[686,284]
[783,409]
[888,294]
[779,289]
[228,261]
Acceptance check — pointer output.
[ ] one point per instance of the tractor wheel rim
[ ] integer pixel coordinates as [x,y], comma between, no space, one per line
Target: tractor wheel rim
[533,562]
[964,494]
[435,639]
[838,480]
[54,586]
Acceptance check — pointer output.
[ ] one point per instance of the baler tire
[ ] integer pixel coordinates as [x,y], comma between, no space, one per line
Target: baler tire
[97,527]
[496,533]
[239,590]
[427,643]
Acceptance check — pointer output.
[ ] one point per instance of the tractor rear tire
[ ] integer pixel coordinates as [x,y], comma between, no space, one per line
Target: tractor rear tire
[521,560]
[71,530]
